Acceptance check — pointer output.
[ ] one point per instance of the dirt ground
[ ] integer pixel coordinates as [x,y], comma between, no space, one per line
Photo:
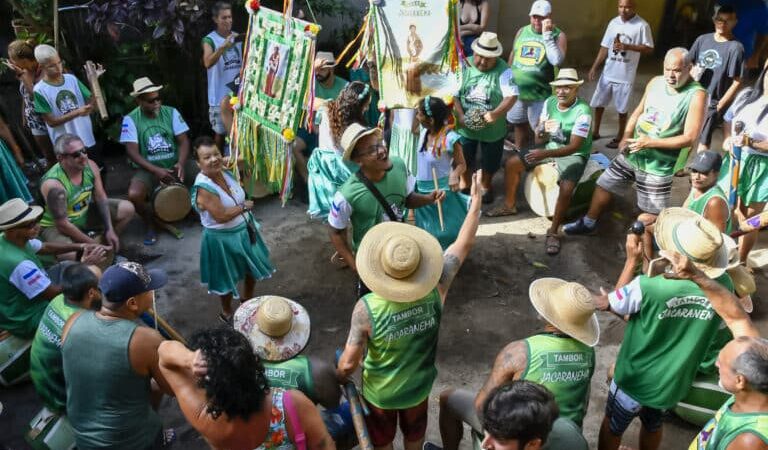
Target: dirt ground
[487,307]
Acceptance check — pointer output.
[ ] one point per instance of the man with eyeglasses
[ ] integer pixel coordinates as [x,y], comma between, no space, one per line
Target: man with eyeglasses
[155,138]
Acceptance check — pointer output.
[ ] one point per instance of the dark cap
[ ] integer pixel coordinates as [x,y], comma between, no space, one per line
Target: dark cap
[129,279]
[706,161]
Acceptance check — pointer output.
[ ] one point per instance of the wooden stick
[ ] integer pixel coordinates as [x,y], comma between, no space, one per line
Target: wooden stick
[358,419]
[56,24]
[93,78]
[167,327]
[440,203]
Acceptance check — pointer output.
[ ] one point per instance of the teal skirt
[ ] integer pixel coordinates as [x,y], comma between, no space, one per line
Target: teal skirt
[13,183]
[753,179]
[455,206]
[403,145]
[327,172]
[227,257]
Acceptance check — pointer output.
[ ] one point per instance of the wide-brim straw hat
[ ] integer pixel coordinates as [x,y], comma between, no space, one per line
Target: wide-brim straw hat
[144,85]
[324,60]
[487,45]
[744,285]
[399,262]
[688,233]
[351,135]
[567,77]
[278,328]
[16,211]
[568,306]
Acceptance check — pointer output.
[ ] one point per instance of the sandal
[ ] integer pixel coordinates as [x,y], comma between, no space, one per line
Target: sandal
[613,144]
[150,238]
[501,210]
[553,244]
[226,319]
[338,261]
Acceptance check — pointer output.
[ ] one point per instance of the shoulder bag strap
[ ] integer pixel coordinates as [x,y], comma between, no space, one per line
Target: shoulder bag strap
[377,194]
[299,438]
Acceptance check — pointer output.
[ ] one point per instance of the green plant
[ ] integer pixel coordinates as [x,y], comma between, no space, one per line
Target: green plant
[34,11]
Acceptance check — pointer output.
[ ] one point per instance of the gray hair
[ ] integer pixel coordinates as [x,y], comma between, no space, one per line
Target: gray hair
[678,51]
[753,363]
[44,53]
[60,146]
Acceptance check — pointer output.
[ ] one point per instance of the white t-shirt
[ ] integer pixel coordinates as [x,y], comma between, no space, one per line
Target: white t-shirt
[129,133]
[636,31]
[61,99]
[749,115]
[28,277]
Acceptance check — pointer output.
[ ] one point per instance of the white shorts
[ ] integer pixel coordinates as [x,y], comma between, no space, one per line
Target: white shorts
[214,117]
[522,111]
[606,90]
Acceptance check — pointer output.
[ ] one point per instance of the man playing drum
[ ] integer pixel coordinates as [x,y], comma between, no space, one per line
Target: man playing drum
[155,138]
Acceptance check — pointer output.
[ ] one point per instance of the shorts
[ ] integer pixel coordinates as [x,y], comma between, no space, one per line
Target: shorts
[382,423]
[490,156]
[712,119]
[605,90]
[461,403]
[214,117]
[621,409]
[570,167]
[526,110]
[151,182]
[93,222]
[654,192]
[37,130]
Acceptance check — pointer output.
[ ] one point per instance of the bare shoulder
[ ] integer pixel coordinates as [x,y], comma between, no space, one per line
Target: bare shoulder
[746,441]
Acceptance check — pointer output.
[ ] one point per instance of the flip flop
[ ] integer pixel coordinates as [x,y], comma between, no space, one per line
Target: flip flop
[501,211]
[150,238]
[613,144]
[225,319]
[553,244]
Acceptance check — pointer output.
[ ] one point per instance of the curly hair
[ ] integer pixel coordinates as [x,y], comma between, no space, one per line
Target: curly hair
[22,49]
[347,108]
[235,383]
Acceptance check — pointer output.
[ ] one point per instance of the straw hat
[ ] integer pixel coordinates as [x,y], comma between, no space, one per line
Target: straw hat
[487,45]
[568,306]
[278,328]
[324,60]
[15,212]
[688,233]
[399,262]
[351,135]
[567,77]
[144,85]
[744,285]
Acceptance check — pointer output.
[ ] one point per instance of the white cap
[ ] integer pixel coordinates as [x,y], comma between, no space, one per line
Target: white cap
[541,8]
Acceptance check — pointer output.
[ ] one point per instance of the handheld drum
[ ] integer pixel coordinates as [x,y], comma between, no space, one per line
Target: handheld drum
[171,202]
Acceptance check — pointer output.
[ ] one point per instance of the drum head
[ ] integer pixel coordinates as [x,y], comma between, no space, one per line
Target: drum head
[541,189]
[171,202]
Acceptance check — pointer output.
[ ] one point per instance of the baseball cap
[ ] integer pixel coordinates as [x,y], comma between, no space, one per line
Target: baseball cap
[706,161]
[541,8]
[129,279]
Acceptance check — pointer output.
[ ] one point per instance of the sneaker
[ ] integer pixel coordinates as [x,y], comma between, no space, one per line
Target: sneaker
[578,227]
[430,446]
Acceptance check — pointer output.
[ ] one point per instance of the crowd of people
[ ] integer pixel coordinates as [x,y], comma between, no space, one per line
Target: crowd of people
[402,193]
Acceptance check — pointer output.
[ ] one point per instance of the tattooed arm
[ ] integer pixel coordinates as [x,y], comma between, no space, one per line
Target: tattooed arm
[509,364]
[359,331]
[56,203]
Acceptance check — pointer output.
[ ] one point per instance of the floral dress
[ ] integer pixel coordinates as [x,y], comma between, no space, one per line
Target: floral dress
[277,436]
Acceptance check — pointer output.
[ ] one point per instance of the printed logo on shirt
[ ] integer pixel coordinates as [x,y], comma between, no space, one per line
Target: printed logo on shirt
[688,307]
[530,54]
[710,59]
[479,94]
[157,144]
[32,277]
[66,101]
[231,59]
[653,121]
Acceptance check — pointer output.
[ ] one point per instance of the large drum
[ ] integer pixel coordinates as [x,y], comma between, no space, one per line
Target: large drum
[541,188]
[702,401]
[50,431]
[171,202]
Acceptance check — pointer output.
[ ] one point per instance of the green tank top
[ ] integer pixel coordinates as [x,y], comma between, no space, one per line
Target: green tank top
[296,373]
[663,116]
[483,90]
[564,366]
[567,120]
[18,314]
[366,210]
[722,337]
[722,429]
[157,142]
[45,366]
[399,368]
[666,340]
[78,197]
[107,402]
[531,68]
[699,204]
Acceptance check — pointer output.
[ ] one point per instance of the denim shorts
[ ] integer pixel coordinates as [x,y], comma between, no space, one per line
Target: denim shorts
[621,409]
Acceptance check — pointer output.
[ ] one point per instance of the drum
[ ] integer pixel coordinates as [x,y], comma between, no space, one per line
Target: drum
[109,257]
[171,202]
[702,401]
[14,359]
[50,431]
[541,188]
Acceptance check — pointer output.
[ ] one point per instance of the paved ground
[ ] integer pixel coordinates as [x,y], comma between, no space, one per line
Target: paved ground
[487,307]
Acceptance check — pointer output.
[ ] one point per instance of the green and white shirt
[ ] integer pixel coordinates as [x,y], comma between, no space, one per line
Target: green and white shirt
[156,136]
[727,425]
[295,373]
[574,121]
[226,69]
[485,91]
[61,99]
[533,71]
[22,280]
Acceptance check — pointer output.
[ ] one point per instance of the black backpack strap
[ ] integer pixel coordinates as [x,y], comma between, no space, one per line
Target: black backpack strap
[377,195]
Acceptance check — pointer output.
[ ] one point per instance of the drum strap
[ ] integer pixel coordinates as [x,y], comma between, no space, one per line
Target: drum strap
[377,195]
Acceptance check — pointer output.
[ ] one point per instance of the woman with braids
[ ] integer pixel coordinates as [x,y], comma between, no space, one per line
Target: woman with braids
[439,148]
[223,393]
[326,169]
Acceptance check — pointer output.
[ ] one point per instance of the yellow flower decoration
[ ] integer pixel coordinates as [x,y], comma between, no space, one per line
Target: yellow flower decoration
[314,29]
[289,135]
[234,101]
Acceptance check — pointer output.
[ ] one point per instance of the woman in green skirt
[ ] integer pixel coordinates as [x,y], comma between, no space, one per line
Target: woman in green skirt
[13,183]
[439,149]
[231,249]
[750,108]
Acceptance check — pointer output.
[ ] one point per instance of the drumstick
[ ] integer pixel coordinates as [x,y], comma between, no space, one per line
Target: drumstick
[439,203]
[175,335]
[356,409]
[753,223]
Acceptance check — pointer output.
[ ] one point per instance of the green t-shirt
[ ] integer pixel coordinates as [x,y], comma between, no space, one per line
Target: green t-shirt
[22,279]
[155,136]
[296,373]
[699,204]
[45,367]
[663,116]
[671,326]
[727,425]
[531,68]
[576,119]
[486,90]
[399,368]
[78,196]
[564,366]
[330,93]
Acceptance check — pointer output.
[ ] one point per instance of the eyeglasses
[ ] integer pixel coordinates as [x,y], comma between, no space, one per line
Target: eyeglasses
[76,154]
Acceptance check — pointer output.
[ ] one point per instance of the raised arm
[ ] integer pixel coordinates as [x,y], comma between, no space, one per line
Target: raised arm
[211,56]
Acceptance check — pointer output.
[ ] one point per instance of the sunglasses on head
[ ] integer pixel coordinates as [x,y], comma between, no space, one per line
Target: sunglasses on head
[76,154]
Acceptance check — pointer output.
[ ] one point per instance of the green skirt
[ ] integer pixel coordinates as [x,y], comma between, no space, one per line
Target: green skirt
[455,206]
[403,145]
[753,179]
[227,257]
[327,172]
[13,183]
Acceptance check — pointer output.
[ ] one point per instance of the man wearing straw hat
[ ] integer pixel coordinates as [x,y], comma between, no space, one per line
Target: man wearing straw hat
[671,324]
[561,358]
[398,322]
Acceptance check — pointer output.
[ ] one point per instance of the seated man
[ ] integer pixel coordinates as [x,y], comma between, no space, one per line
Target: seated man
[68,188]
[155,138]
[567,132]
[706,197]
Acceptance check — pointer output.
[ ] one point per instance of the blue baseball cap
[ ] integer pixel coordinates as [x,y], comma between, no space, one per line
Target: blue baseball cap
[129,279]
